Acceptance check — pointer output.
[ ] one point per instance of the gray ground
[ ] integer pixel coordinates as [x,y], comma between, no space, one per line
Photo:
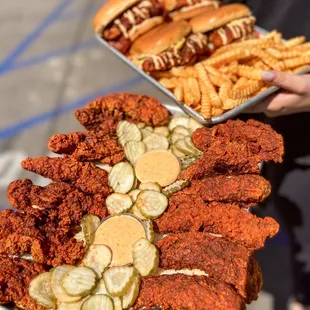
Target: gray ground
[51,64]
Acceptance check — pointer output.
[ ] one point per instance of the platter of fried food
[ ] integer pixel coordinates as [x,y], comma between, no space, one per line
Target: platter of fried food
[209,60]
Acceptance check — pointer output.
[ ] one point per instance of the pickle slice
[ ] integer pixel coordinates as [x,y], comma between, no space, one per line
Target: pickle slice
[98,302]
[193,125]
[134,194]
[40,289]
[89,225]
[130,297]
[122,178]
[119,279]
[57,276]
[152,204]
[156,141]
[146,131]
[187,147]
[162,130]
[98,258]
[151,186]
[175,137]
[72,306]
[175,187]
[150,235]
[145,257]
[178,121]
[133,150]
[181,130]
[118,203]
[136,212]
[126,131]
[187,160]
[79,281]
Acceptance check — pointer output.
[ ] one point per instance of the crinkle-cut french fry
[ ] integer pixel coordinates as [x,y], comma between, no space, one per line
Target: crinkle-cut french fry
[302,48]
[241,81]
[297,61]
[205,105]
[296,70]
[218,80]
[188,98]
[275,35]
[261,65]
[250,72]
[198,108]
[190,70]
[232,67]
[266,58]
[295,41]
[249,61]
[169,83]
[178,92]
[232,103]
[227,57]
[264,88]
[246,90]
[283,54]
[195,90]
[225,90]
[182,72]
[213,71]
[217,112]
[233,77]
[215,99]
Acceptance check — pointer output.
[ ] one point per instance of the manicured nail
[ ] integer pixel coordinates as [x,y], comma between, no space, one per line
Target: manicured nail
[268,76]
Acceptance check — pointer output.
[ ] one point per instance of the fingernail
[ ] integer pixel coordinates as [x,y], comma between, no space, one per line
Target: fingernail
[268,76]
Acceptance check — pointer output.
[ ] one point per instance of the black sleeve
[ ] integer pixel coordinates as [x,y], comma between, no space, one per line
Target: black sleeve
[233,1]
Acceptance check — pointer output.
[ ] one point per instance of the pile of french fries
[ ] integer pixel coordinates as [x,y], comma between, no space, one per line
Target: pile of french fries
[233,74]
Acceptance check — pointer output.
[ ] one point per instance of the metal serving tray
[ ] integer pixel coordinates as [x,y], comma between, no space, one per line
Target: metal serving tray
[214,120]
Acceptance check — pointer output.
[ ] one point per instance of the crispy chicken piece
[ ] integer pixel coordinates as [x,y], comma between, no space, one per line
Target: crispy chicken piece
[83,175]
[263,141]
[89,146]
[138,108]
[246,189]
[189,213]
[179,292]
[15,277]
[23,233]
[221,259]
[235,147]
[58,201]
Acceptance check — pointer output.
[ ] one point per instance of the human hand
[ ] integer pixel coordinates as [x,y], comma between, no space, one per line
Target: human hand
[293,98]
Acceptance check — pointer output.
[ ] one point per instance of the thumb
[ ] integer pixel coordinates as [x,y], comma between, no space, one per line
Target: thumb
[290,82]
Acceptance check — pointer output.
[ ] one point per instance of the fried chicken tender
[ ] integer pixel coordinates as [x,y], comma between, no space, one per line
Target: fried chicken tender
[248,189]
[189,213]
[23,233]
[15,277]
[84,176]
[223,260]
[179,292]
[235,147]
[104,112]
[88,146]
[58,201]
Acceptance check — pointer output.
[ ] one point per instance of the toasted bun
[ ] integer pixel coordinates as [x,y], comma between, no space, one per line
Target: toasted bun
[110,11]
[170,5]
[145,26]
[192,11]
[160,38]
[218,18]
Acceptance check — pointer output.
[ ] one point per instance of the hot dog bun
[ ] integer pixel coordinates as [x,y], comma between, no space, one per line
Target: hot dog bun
[160,38]
[218,18]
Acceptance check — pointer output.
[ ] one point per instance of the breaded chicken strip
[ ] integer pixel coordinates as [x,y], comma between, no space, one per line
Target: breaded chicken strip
[235,147]
[222,259]
[181,292]
[248,189]
[84,176]
[15,277]
[104,112]
[58,201]
[188,213]
[88,146]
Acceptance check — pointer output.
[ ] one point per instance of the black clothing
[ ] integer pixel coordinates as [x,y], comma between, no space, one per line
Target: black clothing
[291,180]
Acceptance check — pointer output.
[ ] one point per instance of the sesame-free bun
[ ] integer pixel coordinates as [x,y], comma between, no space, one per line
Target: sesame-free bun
[219,17]
[192,11]
[110,11]
[160,38]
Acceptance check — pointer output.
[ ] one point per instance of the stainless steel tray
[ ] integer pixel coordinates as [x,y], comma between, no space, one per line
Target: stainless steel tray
[214,120]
